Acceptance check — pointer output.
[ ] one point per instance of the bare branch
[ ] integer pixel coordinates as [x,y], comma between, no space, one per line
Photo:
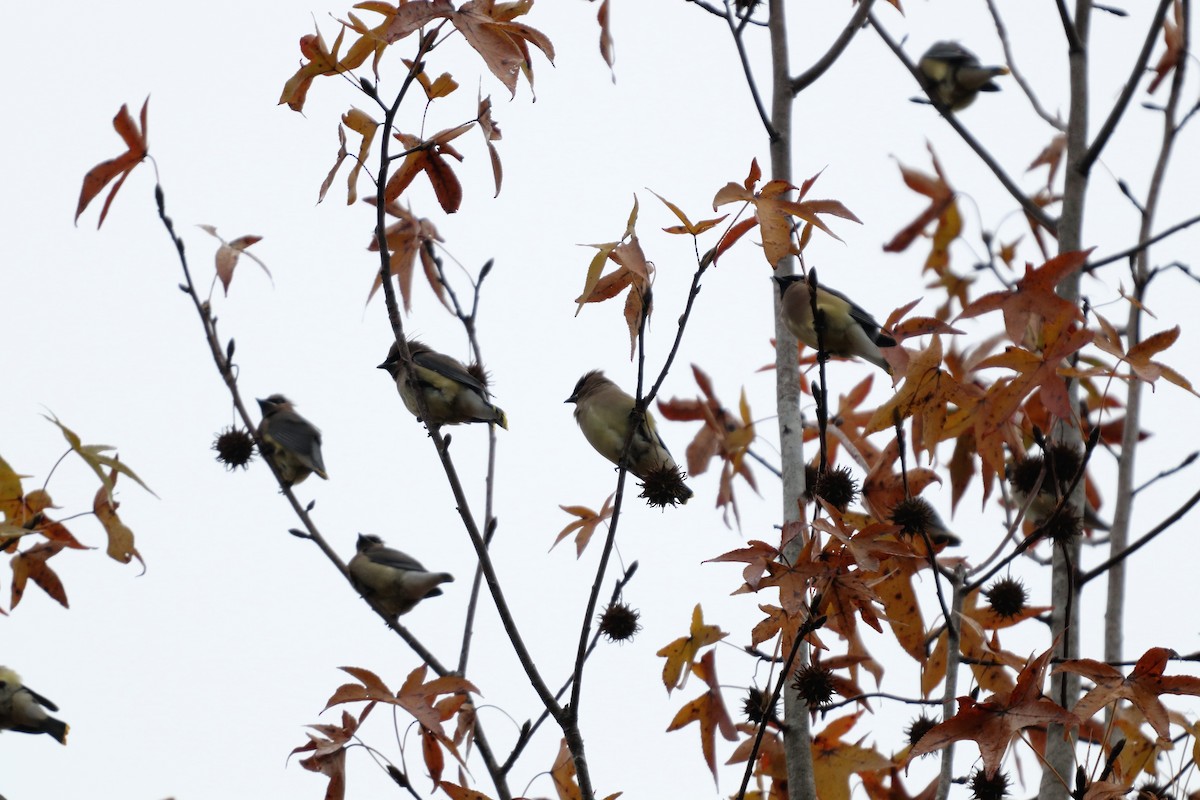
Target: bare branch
[1002,32]
[810,75]
[1131,85]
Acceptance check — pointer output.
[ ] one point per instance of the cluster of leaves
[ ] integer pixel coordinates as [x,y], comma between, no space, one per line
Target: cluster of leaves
[26,514]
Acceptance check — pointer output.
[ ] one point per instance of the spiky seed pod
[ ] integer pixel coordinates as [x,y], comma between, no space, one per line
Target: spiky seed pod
[985,787]
[814,683]
[918,728]
[234,448]
[664,486]
[619,622]
[754,706]
[1008,597]
[837,487]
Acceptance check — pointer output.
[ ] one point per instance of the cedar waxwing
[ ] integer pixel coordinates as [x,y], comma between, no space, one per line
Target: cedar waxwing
[21,709]
[292,443]
[602,411]
[390,580]
[849,330]
[954,75]
[1043,505]
[453,393]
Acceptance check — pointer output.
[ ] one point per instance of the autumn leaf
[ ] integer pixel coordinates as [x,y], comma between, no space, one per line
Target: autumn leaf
[1051,156]
[994,723]
[942,207]
[709,711]
[31,564]
[586,524]
[93,456]
[491,133]
[773,212]
[1033,312]
[634,272]
[835,760]
[407,237]
[688,227]
[724,434]
[429,156]
[503,44]
[120,537]
[606,40]
[1141,688]
[456,792]
[228,253]
[100,175]
[328,748]
[320,60]
[1173,38]
[563,774]
[681,653]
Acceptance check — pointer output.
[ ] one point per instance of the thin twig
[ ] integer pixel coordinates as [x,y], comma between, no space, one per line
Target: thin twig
[1131,86]
[822,64]
[1091,266]
[1145,539]
[1002,32]
[735,32]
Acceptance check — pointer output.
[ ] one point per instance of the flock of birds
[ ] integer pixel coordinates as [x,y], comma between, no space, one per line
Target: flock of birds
[440,390]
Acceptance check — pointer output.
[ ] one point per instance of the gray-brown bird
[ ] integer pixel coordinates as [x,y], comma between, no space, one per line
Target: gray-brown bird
[392,581]
[954,75]
[292,443]
[849,330]
[23,710]
[602,411]
[453,393]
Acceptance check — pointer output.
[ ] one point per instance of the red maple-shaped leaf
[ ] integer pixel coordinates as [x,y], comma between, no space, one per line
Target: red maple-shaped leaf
[100,175]
[407,237]
[994,723]
[1033,312]
[1141,688]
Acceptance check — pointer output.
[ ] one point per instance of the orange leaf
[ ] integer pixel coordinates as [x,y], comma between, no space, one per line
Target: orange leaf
[681,653]
[100,175]
[31,563]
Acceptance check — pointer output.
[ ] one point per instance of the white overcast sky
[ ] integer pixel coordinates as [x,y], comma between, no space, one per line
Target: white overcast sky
[196,678]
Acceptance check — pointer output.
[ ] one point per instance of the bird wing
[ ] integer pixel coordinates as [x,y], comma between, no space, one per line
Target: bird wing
[857,313]
[448,367]
[300,436]
[42,700]
[388,557]
[951,53]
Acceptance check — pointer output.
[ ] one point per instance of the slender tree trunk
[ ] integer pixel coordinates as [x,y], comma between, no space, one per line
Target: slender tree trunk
[797,737]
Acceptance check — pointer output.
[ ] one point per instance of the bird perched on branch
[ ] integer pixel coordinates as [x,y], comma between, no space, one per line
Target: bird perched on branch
[453,393]
[289,441]
[953,75]
[602,411]
[23,710]
[849,330]
[392,581]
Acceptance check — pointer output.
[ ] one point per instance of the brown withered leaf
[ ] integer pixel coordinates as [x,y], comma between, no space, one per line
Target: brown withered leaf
[1173,38]
[456,792]
[429,156]
[1141,688]
[31,564]
[100,175]
[407,237]
[491,133]
[328,748]
[319,60]
[1033,312]
[1051,156]
[709,711]
[941,197]
[503,44]
[773,212]
[994,723]
[606,40]
[229,252]
[120,537]
[586,524]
